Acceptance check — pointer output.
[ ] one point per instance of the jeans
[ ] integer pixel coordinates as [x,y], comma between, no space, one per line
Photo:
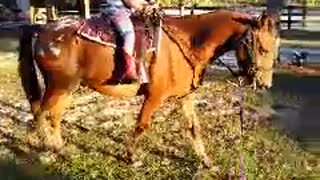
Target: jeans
[120,16]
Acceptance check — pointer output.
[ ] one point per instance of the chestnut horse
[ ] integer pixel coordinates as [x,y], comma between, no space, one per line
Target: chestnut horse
[187,45]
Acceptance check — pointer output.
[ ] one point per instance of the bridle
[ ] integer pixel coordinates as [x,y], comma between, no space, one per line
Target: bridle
[252,44]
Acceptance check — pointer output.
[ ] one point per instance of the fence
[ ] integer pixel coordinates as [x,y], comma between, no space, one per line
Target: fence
[291,16]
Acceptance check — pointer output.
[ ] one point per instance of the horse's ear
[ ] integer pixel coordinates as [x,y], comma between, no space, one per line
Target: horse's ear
[262,20]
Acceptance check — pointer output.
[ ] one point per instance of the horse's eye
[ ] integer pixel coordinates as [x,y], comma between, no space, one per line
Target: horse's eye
[263,51]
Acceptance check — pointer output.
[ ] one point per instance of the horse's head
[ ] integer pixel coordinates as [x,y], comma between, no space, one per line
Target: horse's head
[259,51]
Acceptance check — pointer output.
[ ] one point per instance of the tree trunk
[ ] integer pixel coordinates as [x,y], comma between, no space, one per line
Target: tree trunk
[274,8]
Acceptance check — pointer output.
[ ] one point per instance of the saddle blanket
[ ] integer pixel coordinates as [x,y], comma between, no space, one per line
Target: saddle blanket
[98,29]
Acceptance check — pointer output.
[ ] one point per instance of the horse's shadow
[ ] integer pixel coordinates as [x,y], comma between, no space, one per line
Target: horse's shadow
[26,164]
[26,171]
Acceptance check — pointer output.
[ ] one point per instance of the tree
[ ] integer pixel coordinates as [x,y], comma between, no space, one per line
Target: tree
[274,8]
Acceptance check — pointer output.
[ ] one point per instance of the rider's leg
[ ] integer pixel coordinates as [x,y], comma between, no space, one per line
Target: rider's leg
[125,27]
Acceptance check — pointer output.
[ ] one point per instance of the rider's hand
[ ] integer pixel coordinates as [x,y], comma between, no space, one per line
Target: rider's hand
[155,6]
[151,7]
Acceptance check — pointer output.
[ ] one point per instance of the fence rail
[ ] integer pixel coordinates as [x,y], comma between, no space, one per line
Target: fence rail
[291,16]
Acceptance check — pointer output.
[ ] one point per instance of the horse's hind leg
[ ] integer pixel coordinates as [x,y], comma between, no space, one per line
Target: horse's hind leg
[150,105]
[194,128]
[49,118]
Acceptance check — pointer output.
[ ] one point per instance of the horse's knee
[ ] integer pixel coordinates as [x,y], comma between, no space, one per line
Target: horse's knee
[150,105]
[142,127]
[188,108]
[52,108]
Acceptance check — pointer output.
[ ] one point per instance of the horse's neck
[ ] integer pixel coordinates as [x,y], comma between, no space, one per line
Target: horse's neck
[184,24]
[190,33]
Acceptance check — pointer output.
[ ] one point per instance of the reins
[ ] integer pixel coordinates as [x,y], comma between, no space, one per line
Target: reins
[247,40]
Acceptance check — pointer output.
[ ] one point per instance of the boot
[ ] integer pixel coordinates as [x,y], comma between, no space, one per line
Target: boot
[131,68]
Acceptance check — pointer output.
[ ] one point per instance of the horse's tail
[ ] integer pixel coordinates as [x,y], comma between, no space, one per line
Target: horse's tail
[27,66]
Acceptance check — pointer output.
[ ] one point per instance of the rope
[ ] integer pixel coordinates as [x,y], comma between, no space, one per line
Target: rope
[241,118]
[228,67]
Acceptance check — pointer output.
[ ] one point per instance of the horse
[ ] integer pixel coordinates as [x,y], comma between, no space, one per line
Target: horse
[65,58]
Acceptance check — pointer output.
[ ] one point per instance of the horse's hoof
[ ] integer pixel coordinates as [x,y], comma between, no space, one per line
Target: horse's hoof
[54,147]
[133,162]
[32,139]
[129,158]
[207,163]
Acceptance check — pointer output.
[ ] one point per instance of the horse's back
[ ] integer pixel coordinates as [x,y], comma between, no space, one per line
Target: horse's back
[54,31]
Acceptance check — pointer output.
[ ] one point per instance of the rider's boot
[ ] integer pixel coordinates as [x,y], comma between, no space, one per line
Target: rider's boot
[133,73]
[130,73]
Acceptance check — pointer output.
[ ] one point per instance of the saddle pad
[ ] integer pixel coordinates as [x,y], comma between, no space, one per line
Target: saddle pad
[98,29]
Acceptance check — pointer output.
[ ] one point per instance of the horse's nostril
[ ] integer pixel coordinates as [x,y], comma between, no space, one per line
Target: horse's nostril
[264,87]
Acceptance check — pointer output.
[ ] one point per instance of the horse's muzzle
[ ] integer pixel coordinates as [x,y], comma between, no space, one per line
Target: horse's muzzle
[264,87]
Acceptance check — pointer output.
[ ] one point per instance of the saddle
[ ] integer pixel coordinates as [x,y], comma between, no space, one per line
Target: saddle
[101,30]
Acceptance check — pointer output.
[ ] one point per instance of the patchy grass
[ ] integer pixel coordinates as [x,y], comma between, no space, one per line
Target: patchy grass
[95,129]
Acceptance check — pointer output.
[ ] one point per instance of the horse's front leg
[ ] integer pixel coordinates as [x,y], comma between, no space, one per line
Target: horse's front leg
[150,105]
[50,116]
[194,128]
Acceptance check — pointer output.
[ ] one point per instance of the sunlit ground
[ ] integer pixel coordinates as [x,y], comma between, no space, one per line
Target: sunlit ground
[95,129]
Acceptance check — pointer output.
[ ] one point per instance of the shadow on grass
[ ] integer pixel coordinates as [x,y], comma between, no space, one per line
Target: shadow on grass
[301,121]
[300,34]
[11,170]
[305,86]
[25,165]
[9,40]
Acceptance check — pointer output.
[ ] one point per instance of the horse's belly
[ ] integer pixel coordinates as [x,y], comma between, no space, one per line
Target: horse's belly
[98,62]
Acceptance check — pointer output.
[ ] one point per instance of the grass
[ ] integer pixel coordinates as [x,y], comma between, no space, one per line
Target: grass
[95,133]
[96,128]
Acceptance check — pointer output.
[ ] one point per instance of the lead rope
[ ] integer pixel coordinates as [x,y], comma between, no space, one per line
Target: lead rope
[241,111]
[239,85]
[241,118]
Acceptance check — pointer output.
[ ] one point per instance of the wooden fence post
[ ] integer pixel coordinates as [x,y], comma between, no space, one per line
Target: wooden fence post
[84,8]
[194,6]
[304,13]
[289,16]
[42,8]
[181,7]
[51,13]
